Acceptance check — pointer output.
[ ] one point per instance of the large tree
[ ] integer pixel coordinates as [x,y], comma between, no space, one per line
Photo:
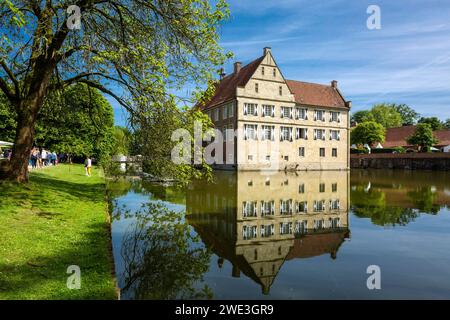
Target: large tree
[409,115]
[434,122]
[368,133]
[423,137]
[387,115]
[362,116]
[133,50]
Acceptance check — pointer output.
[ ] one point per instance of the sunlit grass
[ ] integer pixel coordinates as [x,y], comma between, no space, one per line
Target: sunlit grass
[58,219]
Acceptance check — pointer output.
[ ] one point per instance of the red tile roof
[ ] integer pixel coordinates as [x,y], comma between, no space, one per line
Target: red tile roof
[316,94]
[443,136]
[313,245]
[396,137]
[305,93]
[226,88]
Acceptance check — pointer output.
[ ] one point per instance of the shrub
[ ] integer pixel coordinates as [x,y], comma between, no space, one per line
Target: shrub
[359,151]
[389,150]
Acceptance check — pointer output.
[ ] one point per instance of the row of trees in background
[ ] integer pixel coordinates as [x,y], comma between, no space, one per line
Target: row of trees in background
[397,115]
[78,121]
[371,125]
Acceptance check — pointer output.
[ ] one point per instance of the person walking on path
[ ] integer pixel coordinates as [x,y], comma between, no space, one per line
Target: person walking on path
[34,158]
[88,166]
[44,156]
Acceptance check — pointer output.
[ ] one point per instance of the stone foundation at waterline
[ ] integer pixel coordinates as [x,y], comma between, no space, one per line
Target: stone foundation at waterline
[407,161]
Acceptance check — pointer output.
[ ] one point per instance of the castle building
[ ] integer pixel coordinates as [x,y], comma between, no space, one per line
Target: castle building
[279,124]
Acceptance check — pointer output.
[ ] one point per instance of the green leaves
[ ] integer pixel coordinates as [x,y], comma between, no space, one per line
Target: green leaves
[368,133]
[423,137]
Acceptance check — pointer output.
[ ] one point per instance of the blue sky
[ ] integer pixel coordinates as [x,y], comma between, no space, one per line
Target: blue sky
[406,61]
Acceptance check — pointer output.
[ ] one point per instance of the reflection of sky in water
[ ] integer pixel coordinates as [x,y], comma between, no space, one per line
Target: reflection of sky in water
[133,202]
[414,260]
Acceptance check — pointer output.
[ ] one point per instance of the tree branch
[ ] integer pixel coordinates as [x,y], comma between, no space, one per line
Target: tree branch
[108,92]
[7,91]
[11,76]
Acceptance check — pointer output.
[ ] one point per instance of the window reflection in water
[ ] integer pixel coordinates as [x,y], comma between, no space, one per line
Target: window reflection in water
[266,222]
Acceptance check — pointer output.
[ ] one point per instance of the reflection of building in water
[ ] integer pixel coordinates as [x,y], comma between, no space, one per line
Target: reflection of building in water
[258,221]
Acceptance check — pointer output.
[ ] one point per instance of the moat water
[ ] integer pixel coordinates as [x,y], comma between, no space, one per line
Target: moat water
[311,235]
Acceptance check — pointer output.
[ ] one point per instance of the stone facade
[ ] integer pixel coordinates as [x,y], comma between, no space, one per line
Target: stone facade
[262,101]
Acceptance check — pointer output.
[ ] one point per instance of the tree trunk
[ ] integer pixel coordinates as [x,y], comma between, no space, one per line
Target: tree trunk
[23,143]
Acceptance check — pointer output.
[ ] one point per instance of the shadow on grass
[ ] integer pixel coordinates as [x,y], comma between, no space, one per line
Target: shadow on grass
[45,276]
[84,191]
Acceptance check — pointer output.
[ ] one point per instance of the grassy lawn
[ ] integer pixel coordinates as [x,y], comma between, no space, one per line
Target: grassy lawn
[58,219]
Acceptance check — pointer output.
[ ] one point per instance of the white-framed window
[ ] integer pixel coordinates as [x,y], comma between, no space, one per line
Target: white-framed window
[286,228]
[335,135]
[319,206]
[250,208]
[335,222]
[319,115]
[268,133]
[267,230]
[250,132]
[335,116]
[216,114]
[301,133]
[285,133]
[287,112]
[250,109]
[301,113]
[267,208]
[319,224]
[230,110]
[301,207]
[301,151]
[268,110]
[319,134]
[229,132]
[335,204]
[249,232]
[301,227]
[286,207]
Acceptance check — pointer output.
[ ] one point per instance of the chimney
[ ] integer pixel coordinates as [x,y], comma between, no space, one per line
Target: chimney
[334,84]
[266,50]
[237,67]
[222,73]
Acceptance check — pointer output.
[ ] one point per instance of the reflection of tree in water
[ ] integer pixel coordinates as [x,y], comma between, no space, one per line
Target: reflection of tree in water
[424,199]
[372,204]
[162,258]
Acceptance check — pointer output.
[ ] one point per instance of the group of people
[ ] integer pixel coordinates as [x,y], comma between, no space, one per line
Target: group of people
[40,158]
